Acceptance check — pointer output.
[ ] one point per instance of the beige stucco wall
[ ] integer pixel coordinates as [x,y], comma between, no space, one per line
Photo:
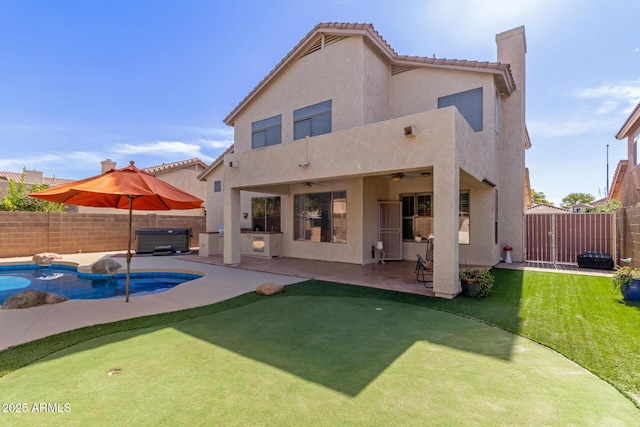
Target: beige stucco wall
[511,153]
[370,110]
[214,202]
[333,73]
[186,179]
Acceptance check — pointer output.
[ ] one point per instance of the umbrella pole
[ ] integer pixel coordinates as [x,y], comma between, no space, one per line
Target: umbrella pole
[129,251]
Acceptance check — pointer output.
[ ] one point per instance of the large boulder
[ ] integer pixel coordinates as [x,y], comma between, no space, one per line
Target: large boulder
[45,258]
[26,299]
[106,266]
[269,289]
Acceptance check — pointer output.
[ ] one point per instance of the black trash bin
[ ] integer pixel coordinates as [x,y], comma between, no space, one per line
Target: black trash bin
[594,259]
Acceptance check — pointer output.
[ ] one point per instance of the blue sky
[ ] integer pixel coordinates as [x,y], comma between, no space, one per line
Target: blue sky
[151,81]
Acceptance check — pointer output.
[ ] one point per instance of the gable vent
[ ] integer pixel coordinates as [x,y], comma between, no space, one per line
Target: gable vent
[330,39]
[322,41]
[397,69]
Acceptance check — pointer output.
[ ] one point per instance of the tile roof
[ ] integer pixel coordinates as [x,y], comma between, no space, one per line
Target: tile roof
[215,163]
[505,79]
[165,167]
[542,208]
[615,191]
[633,118]
[17,177]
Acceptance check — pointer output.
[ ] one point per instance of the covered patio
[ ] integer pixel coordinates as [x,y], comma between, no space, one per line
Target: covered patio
[393,275]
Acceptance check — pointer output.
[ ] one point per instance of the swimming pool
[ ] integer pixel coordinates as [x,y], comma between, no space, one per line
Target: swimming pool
[67,281]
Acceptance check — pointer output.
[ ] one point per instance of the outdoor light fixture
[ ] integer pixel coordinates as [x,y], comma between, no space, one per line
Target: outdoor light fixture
[245,215]
[410,132]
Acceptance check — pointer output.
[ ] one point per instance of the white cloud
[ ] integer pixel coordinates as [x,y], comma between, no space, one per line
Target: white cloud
[216,144]
[225,133]
[604,108]
[562,128]
[164,148]
[621,96]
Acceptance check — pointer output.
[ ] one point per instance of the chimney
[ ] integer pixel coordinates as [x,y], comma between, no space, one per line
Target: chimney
[33,177]
[107,165]
[512,47]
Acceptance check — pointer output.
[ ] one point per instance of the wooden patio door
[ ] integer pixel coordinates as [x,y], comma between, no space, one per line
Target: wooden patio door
[390,229]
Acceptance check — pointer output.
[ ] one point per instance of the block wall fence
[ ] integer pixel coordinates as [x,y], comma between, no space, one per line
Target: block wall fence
[28,233]
[628,235]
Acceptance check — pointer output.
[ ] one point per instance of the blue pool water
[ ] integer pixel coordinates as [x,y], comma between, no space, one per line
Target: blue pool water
[66,281]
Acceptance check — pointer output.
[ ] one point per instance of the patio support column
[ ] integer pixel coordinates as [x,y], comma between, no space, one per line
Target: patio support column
[232,226]
[446,199]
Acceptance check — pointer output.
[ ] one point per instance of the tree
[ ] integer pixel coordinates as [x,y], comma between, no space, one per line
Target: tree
[611,206]
[17,198]
[575,198]
[539,197]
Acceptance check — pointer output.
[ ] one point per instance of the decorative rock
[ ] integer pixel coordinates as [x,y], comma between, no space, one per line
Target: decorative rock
[106,266]
[26,299]
[269,289]
[45,258]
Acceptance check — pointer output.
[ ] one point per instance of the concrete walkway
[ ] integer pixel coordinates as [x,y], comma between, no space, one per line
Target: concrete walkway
[218,283]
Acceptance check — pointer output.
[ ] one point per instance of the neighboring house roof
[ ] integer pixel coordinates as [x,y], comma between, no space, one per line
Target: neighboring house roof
[628,125]
[399,63]
[214,164]
[527,189]
[615,192]
[580,207]
[537,208]
[166,167]
[17,177]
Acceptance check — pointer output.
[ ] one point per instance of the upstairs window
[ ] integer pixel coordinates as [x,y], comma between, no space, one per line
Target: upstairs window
[312,120]
[217,186]
[266,132]
[468,103]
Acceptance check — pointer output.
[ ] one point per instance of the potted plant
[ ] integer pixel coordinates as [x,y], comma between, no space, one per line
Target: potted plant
[627,280]
[476,282]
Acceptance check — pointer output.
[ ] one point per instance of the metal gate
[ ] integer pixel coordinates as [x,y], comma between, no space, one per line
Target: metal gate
[560,238]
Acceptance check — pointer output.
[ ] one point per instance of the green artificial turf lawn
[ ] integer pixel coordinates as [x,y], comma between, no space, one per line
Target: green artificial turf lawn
[310,360]
[581,317]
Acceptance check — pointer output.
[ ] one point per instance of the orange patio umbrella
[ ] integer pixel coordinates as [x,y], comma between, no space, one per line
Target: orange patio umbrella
[126,188]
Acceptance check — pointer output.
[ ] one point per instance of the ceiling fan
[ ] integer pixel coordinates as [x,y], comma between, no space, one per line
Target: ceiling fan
[310,184]
[399,176]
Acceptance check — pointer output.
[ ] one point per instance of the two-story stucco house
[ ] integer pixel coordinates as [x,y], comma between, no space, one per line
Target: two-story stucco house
[627,175]
[345,144]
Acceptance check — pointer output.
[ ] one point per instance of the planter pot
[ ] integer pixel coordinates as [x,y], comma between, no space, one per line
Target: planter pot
[632,291]
[507,257]
[470,287]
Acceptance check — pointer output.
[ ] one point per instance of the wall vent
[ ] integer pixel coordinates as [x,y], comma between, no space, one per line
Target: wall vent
[397,69]
[321,42]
